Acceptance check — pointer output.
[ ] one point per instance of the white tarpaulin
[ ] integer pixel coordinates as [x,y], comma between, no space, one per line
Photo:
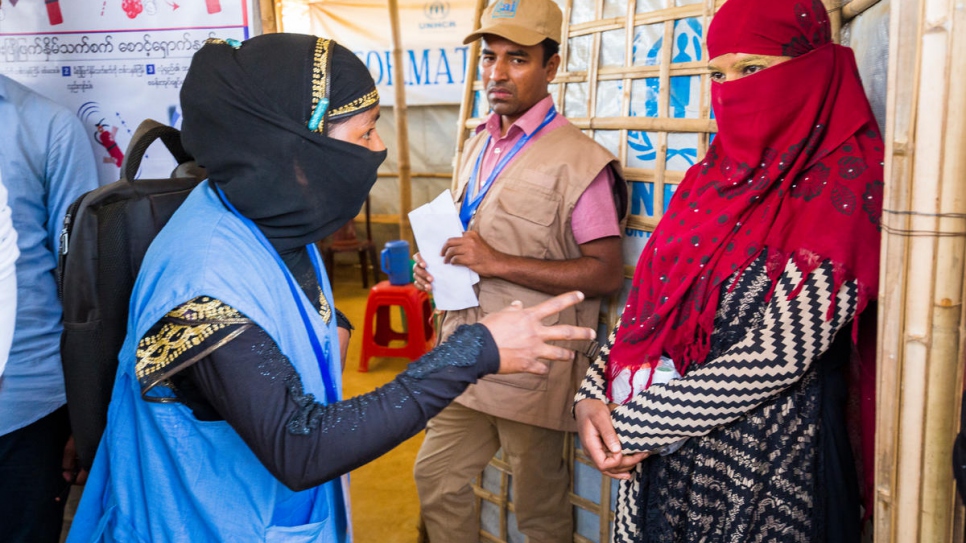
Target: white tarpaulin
[114,63]
[432,37]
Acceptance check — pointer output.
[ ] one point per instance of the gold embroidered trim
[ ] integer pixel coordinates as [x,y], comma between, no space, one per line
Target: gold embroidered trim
[205,308]
[325,310]
[319,75]
[197,320]
[363,102]
[156,352]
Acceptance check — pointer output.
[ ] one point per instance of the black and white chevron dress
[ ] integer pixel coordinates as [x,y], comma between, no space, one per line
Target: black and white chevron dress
[768,457]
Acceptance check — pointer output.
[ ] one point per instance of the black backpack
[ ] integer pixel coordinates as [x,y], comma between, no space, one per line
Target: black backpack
[106,233]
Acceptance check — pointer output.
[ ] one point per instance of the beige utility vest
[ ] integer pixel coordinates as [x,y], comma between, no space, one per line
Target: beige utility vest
[527,212]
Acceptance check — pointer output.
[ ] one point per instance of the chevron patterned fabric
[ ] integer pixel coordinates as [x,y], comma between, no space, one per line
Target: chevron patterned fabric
[751,470]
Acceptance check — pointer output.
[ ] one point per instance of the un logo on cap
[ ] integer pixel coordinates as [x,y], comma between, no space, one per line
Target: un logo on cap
[436,10]
[505,9]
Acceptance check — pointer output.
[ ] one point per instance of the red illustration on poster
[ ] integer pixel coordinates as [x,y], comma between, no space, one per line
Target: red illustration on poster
[106,138]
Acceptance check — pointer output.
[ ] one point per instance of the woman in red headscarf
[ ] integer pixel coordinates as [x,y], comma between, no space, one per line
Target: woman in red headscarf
[768,250]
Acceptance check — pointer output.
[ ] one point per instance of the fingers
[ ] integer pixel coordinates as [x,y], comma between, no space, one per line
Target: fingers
[605,430]
[450,254]
[69,461]
[592,417]
[421,277]
[562,332]
[553,353]
[451,243]
[557,304]
[625,466]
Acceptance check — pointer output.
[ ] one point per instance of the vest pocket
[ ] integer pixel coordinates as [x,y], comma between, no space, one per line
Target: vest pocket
[314,532]
[115,528]
[530,202]
[524,221]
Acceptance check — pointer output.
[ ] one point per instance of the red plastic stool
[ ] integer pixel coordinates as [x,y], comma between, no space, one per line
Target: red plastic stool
[419,333]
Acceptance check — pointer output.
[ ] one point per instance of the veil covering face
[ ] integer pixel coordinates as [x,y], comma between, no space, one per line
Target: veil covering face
[247,109]
[795,171]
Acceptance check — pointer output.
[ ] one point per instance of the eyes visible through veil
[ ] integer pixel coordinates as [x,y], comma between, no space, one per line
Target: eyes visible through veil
[734,66]
[359,129]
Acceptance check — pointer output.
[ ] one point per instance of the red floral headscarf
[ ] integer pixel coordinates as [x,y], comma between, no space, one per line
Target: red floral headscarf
[796,169]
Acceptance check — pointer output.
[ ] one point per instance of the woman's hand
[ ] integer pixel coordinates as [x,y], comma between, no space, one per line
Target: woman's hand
[600,440]
[522,338]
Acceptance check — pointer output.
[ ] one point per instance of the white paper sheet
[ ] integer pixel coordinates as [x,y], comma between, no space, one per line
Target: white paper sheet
[432,225]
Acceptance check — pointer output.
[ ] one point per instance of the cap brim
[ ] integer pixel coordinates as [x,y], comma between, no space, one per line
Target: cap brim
[517,34]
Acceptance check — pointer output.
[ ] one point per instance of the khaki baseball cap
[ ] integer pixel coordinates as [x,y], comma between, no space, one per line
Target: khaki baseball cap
[527,22]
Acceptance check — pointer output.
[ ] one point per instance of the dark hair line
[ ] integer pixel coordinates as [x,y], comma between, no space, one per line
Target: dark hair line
[550,48]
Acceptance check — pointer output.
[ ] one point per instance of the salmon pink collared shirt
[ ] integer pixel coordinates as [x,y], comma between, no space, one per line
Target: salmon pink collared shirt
[594,216]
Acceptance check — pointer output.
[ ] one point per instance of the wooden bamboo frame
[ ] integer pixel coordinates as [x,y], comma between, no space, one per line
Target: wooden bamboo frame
[921,322]
[855,8]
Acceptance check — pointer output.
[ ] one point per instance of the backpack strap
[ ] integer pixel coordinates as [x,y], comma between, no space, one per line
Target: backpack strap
[147,132]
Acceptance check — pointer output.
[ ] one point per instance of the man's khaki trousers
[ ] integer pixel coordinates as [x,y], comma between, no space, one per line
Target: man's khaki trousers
[459,443]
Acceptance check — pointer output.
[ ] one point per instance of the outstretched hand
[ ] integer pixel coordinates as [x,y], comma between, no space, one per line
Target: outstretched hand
[600,440]
[522,338]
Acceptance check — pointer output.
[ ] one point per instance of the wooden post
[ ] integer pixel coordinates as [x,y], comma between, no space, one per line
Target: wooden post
[834,8]
[466,106]
[402,127]
[921,283]
[268,11]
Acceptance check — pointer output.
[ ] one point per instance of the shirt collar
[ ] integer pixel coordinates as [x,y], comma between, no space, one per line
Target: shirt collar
[3,88]
[528,122]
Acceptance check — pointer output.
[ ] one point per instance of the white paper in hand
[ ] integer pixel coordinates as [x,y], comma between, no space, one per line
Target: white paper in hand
[432,225]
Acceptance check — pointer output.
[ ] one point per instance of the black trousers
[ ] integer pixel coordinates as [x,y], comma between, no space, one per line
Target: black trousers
[31,480]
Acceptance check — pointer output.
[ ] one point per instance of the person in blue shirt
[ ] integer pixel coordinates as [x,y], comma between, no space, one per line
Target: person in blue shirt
[46,162]
[8,278]
[226,421]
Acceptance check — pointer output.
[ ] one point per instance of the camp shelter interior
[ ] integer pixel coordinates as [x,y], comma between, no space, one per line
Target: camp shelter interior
[634,78]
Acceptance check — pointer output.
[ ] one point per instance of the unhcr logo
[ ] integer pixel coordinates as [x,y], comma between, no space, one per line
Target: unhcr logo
[505,9]
[436,10]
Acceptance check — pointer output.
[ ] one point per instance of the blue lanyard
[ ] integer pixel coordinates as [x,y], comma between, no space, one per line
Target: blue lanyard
[473,198]
[321,356]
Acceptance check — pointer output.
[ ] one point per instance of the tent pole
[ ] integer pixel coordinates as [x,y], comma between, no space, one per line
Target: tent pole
[402,127]
[466,106]
[269,13]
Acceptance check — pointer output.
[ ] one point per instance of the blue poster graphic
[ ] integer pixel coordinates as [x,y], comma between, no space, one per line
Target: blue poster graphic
[685,94]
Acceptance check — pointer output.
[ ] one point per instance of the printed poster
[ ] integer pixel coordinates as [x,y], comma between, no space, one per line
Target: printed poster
[115,62]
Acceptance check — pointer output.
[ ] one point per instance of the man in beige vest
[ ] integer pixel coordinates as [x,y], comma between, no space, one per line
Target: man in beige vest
[542,205]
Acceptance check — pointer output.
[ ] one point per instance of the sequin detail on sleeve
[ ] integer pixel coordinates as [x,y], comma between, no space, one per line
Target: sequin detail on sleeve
[462,349]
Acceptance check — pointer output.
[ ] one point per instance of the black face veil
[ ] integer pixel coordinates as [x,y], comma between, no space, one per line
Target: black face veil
[247,110]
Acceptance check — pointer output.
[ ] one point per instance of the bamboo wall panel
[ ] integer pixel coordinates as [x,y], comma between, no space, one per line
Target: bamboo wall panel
[924,244]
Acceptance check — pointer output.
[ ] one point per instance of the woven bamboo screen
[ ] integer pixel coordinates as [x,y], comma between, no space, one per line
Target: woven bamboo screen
[634,77]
